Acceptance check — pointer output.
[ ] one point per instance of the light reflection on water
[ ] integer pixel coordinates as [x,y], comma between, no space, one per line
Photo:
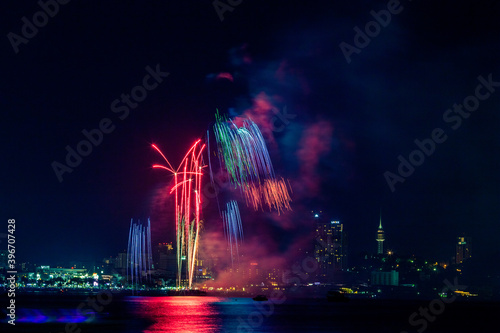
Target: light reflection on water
[220,314]
[179,314]
[49,316]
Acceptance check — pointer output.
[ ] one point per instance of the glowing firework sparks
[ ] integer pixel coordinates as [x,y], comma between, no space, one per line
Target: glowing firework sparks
[139,254]
[273,192]
[243,153]
[232,227]
[187,189]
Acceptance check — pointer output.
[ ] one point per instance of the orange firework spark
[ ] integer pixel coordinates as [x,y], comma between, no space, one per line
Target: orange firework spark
[273,193]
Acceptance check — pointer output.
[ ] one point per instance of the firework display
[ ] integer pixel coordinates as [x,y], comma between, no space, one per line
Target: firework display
[187,193]
[139,254]
[232,227]
[242,154]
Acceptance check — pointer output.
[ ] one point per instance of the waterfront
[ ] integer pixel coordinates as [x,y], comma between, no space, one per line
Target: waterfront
[223,314]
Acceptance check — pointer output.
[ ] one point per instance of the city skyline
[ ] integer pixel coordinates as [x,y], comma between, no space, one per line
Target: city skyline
[137,269]
[328,243]
[455,255]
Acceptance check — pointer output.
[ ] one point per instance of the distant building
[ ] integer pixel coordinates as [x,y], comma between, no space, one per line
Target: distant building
[168,262]
[329,248]
[121,260]
[165,248]
[385,278]
[4,254]
[202,270]
[89,265]
[45,273]
[107,266]
[161,250]
[380,237]
[274,277]
[165,260]
[27,267]
[254,274]
[463,249]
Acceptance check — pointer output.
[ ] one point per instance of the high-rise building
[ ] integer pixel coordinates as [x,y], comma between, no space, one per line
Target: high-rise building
[329,249]
[463,249]
[385,278]
[166,259]
[121,260]
[380,237]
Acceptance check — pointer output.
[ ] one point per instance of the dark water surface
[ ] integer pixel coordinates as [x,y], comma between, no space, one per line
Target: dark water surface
[221,314]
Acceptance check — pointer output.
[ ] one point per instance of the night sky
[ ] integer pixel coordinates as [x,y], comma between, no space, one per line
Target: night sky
[347,123]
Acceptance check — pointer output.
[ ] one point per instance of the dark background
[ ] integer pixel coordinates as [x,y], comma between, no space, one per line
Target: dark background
[352,120]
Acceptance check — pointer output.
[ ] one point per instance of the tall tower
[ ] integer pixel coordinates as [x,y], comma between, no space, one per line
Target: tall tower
[380,237]
[463,249]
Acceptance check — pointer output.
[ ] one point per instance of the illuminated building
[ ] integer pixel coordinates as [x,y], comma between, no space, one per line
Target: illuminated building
[380,237]
[253,272]
[121,260]
[45,273]
[329,248]
[385,278]
[463,249]
[202,270]
[166,260]
[165,248]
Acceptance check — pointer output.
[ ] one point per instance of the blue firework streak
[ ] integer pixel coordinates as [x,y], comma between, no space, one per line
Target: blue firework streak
[139,254]
[232,227]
